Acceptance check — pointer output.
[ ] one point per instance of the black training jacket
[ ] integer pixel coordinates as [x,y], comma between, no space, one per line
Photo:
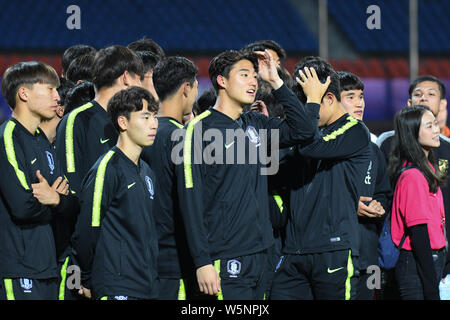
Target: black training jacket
[325,181]
[376,185]
[223,193]
[115,240]
[82,137]
[174,260]
[27,244]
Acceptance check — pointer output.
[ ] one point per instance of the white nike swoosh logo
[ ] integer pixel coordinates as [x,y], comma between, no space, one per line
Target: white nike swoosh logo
[229,145]
[334,270]
[130,185]
[33,161]
[103,141]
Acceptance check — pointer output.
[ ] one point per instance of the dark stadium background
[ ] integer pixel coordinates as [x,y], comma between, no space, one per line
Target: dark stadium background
[199,29]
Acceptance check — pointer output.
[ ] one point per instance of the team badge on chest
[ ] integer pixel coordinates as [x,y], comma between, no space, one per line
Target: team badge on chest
[150,187]
[253,136]
[51,162]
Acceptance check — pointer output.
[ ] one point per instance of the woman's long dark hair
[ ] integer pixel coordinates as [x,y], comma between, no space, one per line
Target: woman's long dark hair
[405,147]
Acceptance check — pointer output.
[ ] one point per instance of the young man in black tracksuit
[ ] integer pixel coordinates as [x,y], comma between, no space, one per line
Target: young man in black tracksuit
[376,194]
[322,235]
[32,191]
[223,190]
[176,85]
[115,239]
[86,132]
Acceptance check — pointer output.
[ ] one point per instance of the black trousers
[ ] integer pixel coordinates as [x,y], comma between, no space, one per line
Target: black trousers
[245,277]
[66,292]
[363,291]
[321,276]
[408,280]
[181,289]
[29,289]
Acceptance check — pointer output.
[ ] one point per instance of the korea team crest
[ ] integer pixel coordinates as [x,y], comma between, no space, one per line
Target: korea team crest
[51,161]
[150,187]
[253,136]
[26,284]
[233,268]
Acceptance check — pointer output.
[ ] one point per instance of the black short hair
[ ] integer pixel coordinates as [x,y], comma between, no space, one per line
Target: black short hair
[349,81]
[79,95]
[274,108]
[111,62]
[26,73]
[146,44]
[129,100]
[81,68]
[282,73]
[149,59]
[170,73]
[74,52]
[261,45]
[64,87]
[206,99]
[323,70]
[427,77]
[223,62]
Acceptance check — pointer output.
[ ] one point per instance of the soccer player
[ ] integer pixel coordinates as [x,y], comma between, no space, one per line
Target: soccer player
[275,49]
[49,126]
[223,197]
[80,69]
[206,100]
[115,240]
[32,190]
[176,84]
[74,52]
[376,192]
[79,95]
[322,235]
[149,59]
[146,44]
[87,132]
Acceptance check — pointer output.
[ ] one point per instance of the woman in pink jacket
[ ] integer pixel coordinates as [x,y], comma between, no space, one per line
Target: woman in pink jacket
[418,217]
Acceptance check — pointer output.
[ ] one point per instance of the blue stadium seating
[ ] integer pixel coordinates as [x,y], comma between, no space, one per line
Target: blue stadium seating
[393,37]
[177,25]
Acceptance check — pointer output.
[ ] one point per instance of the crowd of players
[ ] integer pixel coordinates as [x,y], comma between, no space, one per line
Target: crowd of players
[90,179]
